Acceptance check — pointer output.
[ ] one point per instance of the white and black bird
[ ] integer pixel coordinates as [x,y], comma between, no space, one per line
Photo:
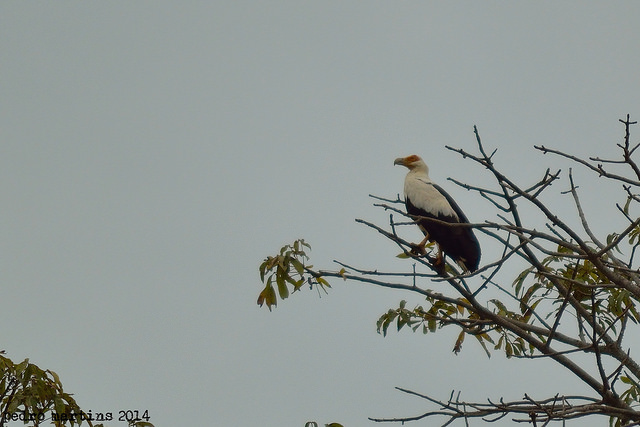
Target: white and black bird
[425,200]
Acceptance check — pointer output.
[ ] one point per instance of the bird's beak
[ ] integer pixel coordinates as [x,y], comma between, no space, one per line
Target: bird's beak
[399,161]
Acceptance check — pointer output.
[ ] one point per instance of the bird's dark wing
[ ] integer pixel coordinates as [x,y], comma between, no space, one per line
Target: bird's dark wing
[461,216]
[463,244]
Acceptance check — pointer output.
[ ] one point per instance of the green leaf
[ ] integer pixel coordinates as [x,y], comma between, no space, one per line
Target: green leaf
[499,344]
[481,339]
[385,320]
[21,367]
[524,301]
[298,266]
[55,376]
[520,280]
[401,322]
[508,349]
[322,281]
[458,345]
[59,405]
[283,290]
[263,269]
[626,205]
[268,296]
[501,307]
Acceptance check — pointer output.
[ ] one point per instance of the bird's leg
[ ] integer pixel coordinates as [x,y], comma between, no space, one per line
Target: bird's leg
[438,262]
[440,257]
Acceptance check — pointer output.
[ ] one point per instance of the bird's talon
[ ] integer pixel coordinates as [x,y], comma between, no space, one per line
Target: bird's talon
[417,250]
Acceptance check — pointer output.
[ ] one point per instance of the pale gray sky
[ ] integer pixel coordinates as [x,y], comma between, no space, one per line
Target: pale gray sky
[153,153]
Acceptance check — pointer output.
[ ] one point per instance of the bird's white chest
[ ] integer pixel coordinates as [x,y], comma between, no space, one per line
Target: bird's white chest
[425,196]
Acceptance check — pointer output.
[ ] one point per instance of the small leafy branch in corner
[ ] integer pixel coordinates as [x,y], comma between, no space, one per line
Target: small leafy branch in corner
[26,388]
[33,395]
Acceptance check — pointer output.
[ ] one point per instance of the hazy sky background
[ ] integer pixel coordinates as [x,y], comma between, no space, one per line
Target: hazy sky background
[153,153]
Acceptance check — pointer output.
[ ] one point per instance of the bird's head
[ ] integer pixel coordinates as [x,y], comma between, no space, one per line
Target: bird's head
[412,162]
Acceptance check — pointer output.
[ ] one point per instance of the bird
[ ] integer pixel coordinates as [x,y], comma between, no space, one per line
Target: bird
[425,200]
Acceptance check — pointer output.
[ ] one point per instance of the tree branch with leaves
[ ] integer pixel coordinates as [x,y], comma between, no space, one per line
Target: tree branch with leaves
[577,295]
[33,396]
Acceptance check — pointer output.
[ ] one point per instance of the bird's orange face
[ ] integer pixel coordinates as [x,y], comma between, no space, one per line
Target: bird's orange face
[412,158]
[407,161]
